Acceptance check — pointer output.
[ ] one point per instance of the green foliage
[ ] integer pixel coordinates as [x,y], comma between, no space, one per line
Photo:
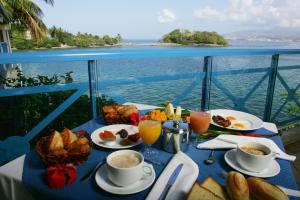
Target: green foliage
[187,38]
[21,113]
[58,37]
[27,15]
[62,36]
[293,110]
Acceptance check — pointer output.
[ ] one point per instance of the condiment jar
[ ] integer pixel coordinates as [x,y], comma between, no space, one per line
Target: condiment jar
[175,136]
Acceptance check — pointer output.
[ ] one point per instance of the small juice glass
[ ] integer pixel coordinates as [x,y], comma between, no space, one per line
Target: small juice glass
[200,121]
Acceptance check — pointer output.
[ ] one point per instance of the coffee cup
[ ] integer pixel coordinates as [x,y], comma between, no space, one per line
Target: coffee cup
[125,167]
[254,156]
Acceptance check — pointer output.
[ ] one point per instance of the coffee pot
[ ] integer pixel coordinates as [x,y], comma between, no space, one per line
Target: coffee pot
[175,136]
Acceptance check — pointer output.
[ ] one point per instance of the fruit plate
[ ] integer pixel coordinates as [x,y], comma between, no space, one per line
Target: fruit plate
[250,122]
[114,129]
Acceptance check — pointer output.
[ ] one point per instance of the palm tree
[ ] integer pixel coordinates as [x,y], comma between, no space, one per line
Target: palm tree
[27,15]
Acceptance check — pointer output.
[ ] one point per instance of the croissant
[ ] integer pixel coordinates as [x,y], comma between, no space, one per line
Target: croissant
[55,141]
[68,137]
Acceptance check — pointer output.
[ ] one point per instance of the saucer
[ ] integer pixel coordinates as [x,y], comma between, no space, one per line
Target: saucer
[104,183]
[272,170]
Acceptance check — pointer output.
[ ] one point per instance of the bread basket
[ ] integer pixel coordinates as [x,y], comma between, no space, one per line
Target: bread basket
[66,156]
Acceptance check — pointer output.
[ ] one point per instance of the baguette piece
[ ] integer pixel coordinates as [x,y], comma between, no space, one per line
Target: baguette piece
[200,193]
[237,186]
[212,185]
[261,189]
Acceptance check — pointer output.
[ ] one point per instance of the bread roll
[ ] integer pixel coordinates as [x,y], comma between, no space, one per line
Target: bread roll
[237,186]
[261,189]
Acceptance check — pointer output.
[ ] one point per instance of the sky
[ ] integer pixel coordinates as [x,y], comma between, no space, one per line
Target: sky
[151,19]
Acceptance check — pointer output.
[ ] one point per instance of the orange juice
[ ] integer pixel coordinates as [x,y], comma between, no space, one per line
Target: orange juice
[200,121]
[150,131]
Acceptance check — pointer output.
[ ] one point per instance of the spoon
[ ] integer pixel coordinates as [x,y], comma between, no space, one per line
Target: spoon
[210,159]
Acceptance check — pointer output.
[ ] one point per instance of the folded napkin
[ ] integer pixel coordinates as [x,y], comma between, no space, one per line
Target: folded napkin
[184,181]
[230,141]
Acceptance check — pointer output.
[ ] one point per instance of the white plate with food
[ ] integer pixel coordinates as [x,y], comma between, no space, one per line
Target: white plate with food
[117,136]
[272,170]
[104,183]
[235,120]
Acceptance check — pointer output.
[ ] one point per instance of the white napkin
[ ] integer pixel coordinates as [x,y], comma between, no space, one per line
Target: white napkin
[230,141]
[184,181]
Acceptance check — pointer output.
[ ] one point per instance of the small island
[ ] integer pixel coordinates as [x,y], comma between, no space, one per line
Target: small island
[196,38]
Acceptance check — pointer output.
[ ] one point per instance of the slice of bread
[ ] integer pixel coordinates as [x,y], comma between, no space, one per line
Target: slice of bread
[200,193]
[212,185]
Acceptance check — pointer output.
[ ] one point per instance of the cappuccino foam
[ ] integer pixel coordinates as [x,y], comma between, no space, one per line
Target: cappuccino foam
[125,160]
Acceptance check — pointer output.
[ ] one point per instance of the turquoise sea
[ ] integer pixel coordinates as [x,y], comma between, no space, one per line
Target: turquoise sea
[237,85]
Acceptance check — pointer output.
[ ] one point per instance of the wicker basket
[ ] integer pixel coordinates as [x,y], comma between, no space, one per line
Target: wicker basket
[75,158]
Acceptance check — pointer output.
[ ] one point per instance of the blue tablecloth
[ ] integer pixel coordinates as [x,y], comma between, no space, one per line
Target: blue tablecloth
[33,172]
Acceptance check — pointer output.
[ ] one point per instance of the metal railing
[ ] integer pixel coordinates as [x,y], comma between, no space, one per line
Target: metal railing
[208,77]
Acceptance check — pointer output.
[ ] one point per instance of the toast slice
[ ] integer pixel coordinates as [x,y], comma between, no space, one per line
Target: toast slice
[213,186]
[200,193]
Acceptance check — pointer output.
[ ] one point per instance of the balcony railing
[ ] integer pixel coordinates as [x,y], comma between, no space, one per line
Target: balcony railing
[208,84]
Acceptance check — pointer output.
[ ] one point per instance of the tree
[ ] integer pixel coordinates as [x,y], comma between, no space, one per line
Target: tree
[27,15]
[107,40]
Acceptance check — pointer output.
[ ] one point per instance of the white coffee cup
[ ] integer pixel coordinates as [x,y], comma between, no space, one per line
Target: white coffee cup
[252,162]
[127,175]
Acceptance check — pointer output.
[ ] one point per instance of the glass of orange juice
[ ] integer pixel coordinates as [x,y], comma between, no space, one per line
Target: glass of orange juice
[150,131]
[200,121]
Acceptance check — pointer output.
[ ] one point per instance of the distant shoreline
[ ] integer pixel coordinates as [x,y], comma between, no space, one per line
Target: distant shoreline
[123,45]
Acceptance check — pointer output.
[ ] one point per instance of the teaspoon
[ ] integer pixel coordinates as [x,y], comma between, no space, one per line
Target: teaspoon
[210,159]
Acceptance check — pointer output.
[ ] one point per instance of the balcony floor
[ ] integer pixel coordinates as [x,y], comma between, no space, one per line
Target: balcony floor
[291,140]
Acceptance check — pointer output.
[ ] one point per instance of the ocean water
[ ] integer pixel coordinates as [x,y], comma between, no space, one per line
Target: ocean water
[227,88]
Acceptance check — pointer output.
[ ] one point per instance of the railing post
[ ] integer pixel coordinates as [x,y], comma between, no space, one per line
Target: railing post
[271,87]
[93,81]
[207,70]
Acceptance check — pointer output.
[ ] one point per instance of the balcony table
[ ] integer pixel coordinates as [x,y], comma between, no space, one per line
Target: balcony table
[11,174]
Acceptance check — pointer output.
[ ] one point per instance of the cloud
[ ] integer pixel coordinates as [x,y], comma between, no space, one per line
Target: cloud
[256,12]
[166,16]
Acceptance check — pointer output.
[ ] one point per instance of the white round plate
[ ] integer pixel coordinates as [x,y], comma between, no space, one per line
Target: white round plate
[114,129]
[104,183]
[273,170]
[250,121]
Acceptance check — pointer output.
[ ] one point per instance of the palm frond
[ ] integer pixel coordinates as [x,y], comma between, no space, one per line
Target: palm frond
[27,14]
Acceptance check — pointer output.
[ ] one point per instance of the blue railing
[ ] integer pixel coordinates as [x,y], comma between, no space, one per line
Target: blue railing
[209,78]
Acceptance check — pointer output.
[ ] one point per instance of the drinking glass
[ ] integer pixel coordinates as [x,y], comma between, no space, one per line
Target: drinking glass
[200,121]
[150,131]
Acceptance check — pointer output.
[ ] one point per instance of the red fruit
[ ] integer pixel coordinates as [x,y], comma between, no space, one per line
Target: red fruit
[58,176]
[134,137]
[71,174]
[55,177]
[134,119]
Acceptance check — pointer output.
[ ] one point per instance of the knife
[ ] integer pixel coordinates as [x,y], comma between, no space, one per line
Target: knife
[171,181]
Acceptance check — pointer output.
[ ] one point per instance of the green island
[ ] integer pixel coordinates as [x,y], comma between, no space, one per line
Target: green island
[59,38]
[201,38]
